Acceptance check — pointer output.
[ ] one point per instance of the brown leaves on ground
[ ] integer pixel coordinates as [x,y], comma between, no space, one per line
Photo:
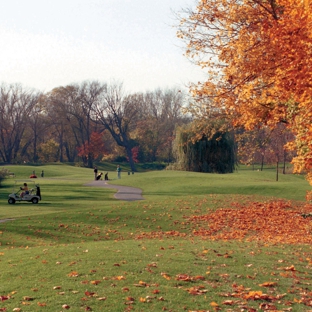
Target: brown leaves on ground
[73,274]
[189,278]
[274,222]
[3,298]
[241,293]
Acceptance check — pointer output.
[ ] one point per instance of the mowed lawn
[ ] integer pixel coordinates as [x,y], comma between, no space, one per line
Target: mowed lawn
[197,242]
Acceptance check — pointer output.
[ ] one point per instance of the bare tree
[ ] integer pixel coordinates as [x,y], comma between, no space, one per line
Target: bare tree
[89,94]
[16,107]
[57,105]
[117,112]
[161,113]
[37,127]
[75,106]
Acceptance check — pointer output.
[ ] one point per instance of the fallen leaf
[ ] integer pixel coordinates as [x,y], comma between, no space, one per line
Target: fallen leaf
[90,294]
[130,299]
[65,306]
[268,284]
[214,304]
[95,282]
[166,276]
[28,298]
[41,304]
[73,274]
[3,298]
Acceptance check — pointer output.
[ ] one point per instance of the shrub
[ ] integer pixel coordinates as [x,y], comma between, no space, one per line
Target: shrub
[3,174]
[120,159]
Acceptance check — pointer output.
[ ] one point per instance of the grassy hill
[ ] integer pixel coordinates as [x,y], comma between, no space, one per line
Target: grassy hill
[82,248]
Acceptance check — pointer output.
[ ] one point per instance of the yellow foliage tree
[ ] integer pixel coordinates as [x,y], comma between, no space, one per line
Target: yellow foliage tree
[48,151]
[258,55]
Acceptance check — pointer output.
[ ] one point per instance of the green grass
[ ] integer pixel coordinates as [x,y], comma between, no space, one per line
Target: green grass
[246,182]
[80,240]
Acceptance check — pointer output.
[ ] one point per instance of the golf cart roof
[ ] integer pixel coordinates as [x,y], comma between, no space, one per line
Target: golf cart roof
[25,181]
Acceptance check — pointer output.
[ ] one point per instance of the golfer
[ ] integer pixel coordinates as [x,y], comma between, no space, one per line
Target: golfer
[95,173]
[25,190]
[118,172]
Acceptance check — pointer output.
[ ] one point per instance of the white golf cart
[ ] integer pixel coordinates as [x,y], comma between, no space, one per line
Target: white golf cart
[32,195]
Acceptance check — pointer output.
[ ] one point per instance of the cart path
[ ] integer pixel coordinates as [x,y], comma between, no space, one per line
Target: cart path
[126,193]
[5,220]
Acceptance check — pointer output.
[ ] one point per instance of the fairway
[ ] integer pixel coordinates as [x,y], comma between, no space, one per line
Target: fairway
[83,250]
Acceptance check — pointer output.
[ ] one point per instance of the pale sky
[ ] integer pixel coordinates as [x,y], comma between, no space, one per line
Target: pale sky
[51,43]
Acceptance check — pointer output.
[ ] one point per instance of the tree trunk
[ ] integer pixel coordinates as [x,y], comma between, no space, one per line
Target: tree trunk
[35,156]
[130,157]
[284,164]
[277,171]
[90,161]
[61,146]
[262,162]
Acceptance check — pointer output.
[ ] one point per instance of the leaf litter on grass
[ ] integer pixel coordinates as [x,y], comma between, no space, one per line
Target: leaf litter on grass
[276,221]
[271,223]
[210,270]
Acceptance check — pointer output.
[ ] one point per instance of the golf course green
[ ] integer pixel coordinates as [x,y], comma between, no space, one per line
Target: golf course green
[197,242]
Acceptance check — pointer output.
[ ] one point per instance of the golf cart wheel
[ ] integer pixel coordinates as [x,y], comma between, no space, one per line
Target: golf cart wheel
[11,201]
[35,200]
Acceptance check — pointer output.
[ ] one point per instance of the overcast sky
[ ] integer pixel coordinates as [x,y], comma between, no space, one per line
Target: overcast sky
[51,43]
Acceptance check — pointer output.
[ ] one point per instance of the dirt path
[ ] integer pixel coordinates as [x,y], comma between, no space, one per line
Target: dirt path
[126,193]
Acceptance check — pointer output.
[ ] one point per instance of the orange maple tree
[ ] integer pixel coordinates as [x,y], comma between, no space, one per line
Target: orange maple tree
[258,58]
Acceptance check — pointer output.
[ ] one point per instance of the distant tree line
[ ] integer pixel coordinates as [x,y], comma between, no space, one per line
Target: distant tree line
[95,121]
[88,122]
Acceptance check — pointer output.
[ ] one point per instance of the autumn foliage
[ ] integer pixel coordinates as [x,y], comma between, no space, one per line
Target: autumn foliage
[93,148]
[276,222]
[258,58]
[272,222]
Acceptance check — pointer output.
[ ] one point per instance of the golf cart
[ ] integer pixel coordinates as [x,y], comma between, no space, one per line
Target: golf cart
[32,195]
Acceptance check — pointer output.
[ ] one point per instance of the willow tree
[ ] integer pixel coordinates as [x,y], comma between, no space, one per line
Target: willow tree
[214,151]
[258,57]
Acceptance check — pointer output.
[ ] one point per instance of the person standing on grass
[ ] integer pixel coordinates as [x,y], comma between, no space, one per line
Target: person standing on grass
[95,172]
[118,172]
